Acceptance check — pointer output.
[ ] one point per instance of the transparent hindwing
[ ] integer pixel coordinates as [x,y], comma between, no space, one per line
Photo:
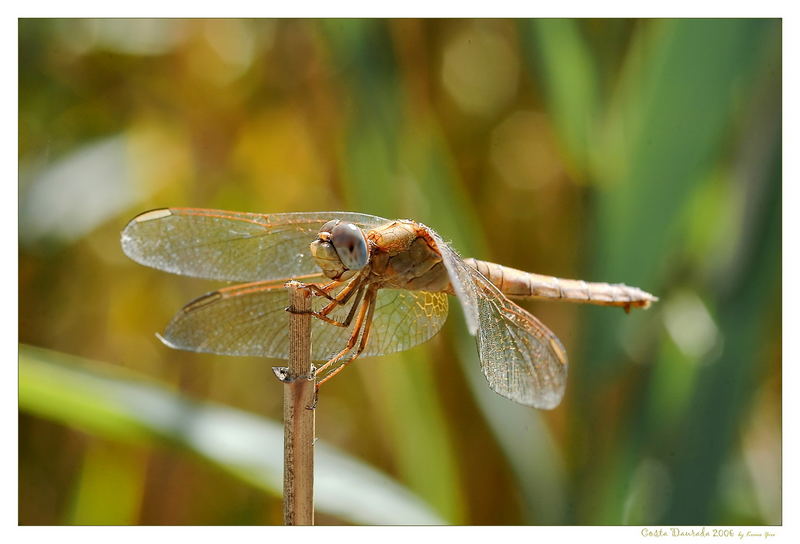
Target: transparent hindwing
[252,320]
[521,358]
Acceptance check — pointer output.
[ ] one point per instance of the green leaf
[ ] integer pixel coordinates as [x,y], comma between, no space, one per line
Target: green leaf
[106,401]
[557,52]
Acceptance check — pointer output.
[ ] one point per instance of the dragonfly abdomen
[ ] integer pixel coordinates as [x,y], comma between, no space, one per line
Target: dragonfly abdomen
[520,284]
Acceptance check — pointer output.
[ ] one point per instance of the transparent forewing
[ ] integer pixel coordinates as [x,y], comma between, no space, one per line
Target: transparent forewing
[520,357]
[461,281]
[251,320]
[233,246]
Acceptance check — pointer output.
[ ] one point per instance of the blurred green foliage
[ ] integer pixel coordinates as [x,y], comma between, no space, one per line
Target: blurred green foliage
[108,402]
[639,151]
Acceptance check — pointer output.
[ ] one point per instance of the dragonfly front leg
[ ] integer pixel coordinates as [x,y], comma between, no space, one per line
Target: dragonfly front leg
[324,290]
[365,324]
[351,342]
[355,287]
[343,297]
[346,323]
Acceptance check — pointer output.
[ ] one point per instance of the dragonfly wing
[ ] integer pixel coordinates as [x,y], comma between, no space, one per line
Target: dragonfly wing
[232,246]
[461,280]
[251,320]
[520,357]
[404,319]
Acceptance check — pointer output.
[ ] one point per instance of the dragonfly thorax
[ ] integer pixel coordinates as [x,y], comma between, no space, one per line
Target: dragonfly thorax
[340,250]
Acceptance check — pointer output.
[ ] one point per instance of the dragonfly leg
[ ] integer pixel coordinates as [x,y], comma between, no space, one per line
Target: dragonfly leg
[324,290]
[346,323]
[370,304]
[351,342]
[343,297]
[355,287]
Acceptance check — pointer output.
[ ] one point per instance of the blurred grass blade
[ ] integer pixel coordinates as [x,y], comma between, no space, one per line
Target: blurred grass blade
[724,391]
[73,195]
[109,469]
[556,49]
[62,201]
[660,142]
[103,400]
[665,136]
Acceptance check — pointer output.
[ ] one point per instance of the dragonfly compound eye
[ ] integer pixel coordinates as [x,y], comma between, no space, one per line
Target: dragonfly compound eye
[328,227]
[350,245]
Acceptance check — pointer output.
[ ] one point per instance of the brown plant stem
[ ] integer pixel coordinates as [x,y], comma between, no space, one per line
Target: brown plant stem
[298,420]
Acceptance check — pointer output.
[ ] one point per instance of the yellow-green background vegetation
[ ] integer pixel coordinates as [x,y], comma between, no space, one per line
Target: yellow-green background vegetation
[639,151]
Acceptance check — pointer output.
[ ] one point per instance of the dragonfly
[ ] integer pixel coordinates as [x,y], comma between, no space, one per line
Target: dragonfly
[379,286]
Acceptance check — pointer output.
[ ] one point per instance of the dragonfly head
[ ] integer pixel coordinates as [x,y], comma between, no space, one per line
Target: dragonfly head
[340,249]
